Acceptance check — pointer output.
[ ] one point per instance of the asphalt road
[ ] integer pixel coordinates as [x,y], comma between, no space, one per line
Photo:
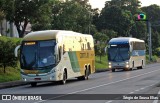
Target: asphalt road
[104,84]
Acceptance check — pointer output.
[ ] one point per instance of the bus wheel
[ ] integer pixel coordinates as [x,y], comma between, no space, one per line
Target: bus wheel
[64,77]
[113,70]
[131,69]
[34,84]
[141,67]
[86,74]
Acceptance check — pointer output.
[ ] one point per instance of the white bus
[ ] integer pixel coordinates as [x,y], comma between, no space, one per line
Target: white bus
[126,53]
[56,55]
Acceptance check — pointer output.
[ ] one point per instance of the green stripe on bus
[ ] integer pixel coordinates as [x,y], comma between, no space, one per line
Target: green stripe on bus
[74,61]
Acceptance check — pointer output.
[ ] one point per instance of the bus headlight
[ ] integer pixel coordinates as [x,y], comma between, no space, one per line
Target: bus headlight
[110,65]
[127,64]
[25,79]
[50,78]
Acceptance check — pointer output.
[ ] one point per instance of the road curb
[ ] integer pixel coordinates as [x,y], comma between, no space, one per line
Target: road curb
[11,84]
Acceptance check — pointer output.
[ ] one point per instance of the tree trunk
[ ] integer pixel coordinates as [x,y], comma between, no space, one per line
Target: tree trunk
[21,32]
[4,68]
[18,29]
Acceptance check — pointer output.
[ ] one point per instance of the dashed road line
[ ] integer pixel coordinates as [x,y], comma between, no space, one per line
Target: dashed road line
[99,86]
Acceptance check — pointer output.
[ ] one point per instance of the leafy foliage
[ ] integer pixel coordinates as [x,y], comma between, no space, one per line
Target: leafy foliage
[72,15]
[22,12]
[100,45]
[7,46]
[114,18]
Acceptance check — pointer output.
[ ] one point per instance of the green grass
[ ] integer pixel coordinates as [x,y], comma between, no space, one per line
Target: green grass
[103,64]
[11,74]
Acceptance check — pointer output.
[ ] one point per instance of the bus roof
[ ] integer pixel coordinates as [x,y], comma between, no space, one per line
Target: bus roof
[47,35]
[124,40]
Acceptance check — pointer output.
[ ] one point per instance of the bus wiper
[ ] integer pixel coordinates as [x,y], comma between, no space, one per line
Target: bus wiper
[121,56]
[23,59]
[46,66]
[32,63]
[115,56]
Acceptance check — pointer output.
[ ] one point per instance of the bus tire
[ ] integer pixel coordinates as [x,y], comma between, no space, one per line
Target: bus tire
[33,84]
[64,77]
[113,70]
[86,75]
[142,66]
[131,69]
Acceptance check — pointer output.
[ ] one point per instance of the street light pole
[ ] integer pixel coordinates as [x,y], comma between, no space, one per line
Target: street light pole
[149,40]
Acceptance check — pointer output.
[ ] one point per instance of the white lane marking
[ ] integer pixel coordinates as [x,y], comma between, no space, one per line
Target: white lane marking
[137,90]
[109,101]
[156,101]
[131,92]
[143,88]
[99,86]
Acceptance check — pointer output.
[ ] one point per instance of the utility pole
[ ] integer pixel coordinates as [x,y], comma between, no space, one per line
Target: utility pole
[149,40]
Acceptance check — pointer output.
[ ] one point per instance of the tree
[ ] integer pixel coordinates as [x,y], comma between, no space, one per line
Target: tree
[152,12]
[155,40]
[100,45]
[7,46]
[139,29]
[22,12]
[2,15]
[130,5]
[153,15]
[114,18]
[72,15]
[109,33]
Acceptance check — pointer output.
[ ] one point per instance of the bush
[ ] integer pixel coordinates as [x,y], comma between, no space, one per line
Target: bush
[7,46]
[157,51]
[154,59]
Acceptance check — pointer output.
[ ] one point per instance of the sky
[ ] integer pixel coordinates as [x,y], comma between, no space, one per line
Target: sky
[100,3]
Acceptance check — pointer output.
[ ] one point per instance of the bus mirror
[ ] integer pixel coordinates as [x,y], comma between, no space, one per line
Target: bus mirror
[56,51]
[16,51]
[130,48]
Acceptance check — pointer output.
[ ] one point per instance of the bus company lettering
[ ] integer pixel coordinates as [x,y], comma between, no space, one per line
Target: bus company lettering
[84,55]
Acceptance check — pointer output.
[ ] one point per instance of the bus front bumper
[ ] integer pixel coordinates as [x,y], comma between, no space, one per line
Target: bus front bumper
[119,65]
[39,78]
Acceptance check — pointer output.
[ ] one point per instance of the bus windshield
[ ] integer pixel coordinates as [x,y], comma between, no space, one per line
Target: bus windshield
[37,55]
[118,53]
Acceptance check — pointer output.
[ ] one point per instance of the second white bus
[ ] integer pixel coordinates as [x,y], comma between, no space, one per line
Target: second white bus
[126,53]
